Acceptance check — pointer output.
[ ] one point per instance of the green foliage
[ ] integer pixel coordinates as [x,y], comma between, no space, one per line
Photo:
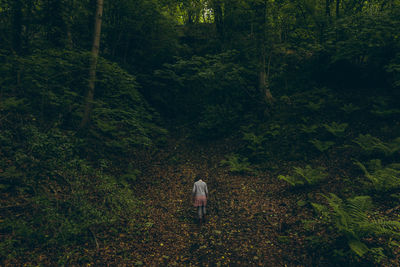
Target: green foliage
[63,177]
[322,145]
[305,176]
[382,178]
[255,143]
[217,120]
[67,199]
[315,106]
[259,138]
[309,129]
[382,107]
[371,144]
[394,68]
[349,108]
[337,129]
[352,220]
[237,164]
[204,88]
[54,82]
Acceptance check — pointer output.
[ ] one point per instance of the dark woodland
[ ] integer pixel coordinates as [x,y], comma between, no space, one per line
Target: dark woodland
[289,110]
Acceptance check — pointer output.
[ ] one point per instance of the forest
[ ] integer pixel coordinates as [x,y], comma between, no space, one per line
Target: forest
[289,110]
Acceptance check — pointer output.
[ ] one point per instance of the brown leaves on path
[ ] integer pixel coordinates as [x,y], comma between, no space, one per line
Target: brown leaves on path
[244,221]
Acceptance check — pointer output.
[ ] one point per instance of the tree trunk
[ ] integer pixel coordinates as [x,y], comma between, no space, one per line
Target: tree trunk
[337,8]
[328,8]
[263,76]
[17,26]
[218,19]
[93,63]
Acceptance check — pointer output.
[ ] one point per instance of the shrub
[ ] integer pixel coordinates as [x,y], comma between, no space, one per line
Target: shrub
[382,178]
[352,220]
[322,145]
[337,129]
[309,129]
[371,144]
[305,176]
[237,164]
[349,108]
[67,200]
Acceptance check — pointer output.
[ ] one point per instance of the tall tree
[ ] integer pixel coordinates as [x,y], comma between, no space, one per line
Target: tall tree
[17,26]
[93,63]
[337,8]
[263,74]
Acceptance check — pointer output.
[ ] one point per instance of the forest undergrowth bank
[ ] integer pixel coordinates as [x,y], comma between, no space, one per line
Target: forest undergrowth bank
[253,219]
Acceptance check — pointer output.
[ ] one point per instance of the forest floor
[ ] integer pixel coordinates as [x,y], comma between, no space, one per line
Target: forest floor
[252,220]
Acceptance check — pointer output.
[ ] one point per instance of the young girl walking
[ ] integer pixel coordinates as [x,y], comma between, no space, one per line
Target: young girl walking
[200,194]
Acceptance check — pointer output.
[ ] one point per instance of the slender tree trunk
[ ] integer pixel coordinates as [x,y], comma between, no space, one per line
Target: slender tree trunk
[218,19]
[93,63]
[17,26]
[263,75]
[328,8]
[337,8]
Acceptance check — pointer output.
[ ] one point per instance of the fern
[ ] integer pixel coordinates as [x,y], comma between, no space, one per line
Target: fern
[336,129]
[381,108]
[309,129]
[322,145]
[372,144]
[349,108]
[310,175]
[305,176]
[351,218]
[237,164]
[383,178]
[254,141]
[273,130]
[315,106]
[292,180]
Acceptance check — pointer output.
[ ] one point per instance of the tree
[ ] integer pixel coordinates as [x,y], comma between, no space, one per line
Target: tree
[264,69]
[17,26]
[93,63]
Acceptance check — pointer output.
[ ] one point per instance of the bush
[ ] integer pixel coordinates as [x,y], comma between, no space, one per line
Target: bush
[305,176]
[322,145]
[337,129]
[237,164]
[371,144]
[60,177]
[66,201]
[352,220]
[382,178]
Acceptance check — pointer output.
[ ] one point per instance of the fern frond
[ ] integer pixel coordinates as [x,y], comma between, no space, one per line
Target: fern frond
[337,129]
[370,144]
[322,145]
[383,178]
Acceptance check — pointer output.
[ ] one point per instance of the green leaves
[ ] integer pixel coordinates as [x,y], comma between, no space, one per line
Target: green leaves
[371,144]
[337,129]
[305,176]
[383,179]
[237,164]
[322,145]
[351,218]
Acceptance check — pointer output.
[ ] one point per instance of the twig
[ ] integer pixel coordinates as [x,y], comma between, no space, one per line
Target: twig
[391,210]
[95,239]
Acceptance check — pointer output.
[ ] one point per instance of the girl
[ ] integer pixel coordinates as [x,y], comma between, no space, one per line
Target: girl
[200,194]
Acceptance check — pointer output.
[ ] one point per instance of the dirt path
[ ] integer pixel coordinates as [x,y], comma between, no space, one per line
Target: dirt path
[246,214]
